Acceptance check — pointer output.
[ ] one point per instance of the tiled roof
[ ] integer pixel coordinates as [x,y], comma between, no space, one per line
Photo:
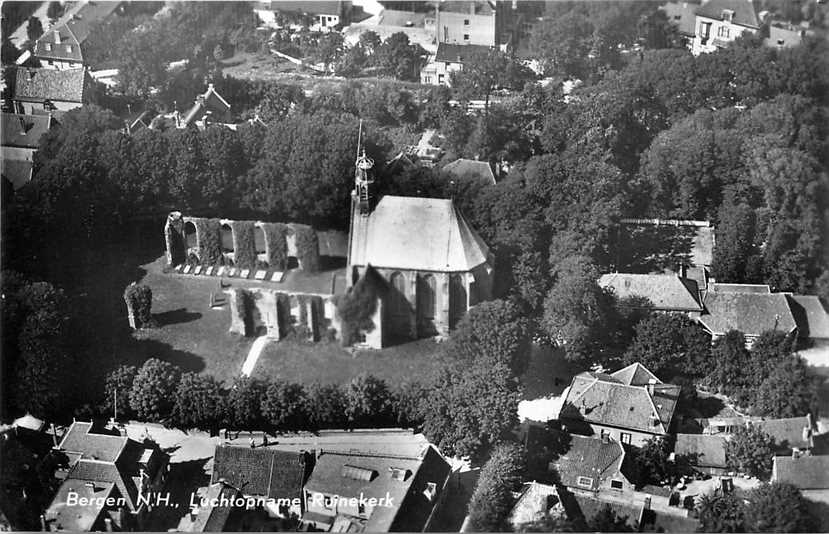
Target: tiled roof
[745,12]
[454,53]
[810,316]
[61,516]
[750,313]
[412,233]
[261,472]
[805,472]
[476,7]
[480,170]
[605,400]
[74,28]
[105,472]
[704,450]
[589,461]
[210,101]
[210,518]
[667,292]
[635,374]
[683,15]
[24,130]
[741,288]
[81,438]
[789,432]
[386,441]
[37,85]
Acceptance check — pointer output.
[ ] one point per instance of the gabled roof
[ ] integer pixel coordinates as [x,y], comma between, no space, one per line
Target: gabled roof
[82,438]
[589,461]
[789,432]
[667,292]
[61,516]
[455,53]
[211,101]
[810,316]
[750,313]
[606,400]
[74,28]
[37,85]
[745,12]
[805,472]
[480,170]
[681,14]
[427,234]
[704,450]
[635,374]
[106,473]
[213,516]
[315,7]
[260,472]
[472,7]
[24,130]
[534,503]
[741,288]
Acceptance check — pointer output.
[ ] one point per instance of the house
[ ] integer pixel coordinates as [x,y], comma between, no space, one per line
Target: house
[40,91]
[119,474]
[326,15]
[471,169]
[536,502]
[418,26]
[216,511]
[62,45]
[705,453]
[592,465]
[811,318]
[720,22]
[434,263]
[666,292]
[365,492]
[791,434]
[810,474]
[271,475]
[750,313]
[478,22]
[683,16]
[448,59]
[20,140]
[631,405]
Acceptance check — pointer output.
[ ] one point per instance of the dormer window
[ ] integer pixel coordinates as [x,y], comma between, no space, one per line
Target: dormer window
[584,482]
[431,491]
[398,473]
[48,47]
[727,15]
[68,49]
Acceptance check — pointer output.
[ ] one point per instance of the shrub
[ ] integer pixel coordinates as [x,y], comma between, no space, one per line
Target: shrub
[750,450]
[140,299]
[210,240]
[152,390]
[358,305]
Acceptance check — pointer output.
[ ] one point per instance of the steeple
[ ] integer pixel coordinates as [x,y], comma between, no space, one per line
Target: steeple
[363,178]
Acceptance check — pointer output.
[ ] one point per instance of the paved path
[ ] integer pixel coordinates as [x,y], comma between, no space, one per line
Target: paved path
[253,356]
[20,35]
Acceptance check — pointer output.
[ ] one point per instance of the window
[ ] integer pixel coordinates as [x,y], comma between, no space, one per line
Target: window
[584,482]
[705,30]
[399,473]
[625,438]
[722,31]
[466,37]
[616,484]
[727,15]
[605,433]
[466,22]
[430,491]
[440,78]
[48,47]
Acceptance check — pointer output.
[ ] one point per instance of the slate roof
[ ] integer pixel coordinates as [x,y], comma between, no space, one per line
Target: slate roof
[788,432]
[24,130]
[606,400]
[704,450]
[37,85]
[480,170]
[810,316]
[592,458]
[427,234]
[480,7]
[667,292]
[750,313]
[745,11]
[92,445]
[105,473]
[741,288]
[635,374]
[683,15]
[455,53]
[74,28]
[260,472]
[805,472]
[60,516]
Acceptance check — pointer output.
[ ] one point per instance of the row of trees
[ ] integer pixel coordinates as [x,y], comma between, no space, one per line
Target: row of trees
[771,507]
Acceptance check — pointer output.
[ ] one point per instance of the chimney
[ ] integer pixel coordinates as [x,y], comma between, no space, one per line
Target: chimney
[57,36]
[108,524]
[651,384]
[43,523]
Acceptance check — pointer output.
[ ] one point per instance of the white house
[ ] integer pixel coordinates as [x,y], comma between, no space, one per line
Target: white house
[720,22]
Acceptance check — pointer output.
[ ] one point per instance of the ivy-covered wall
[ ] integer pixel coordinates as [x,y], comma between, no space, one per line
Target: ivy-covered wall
[276,245]
[244,246]
[308,247]
[210,240]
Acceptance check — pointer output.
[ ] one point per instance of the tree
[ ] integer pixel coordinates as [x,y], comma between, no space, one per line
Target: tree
[652,463]
[406,400]
[778,507]
[9,53]
[244,401]
[34,29]
[285,406]
[119,384]
[367,401]
[734,249]
[492,332]
[400,58]
[790,390]
[750,450]
[488,73]
[199,402]
[729,361]
[492,499]
[670,345]
[606,520]
[328,401]
[768,351]
[721,513]
[54,11]
[564,43]
[153,390]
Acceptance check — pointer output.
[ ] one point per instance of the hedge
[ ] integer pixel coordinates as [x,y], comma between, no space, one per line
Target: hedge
[244,246]
[307,248]
[140,299]
[210,241]
[277,246]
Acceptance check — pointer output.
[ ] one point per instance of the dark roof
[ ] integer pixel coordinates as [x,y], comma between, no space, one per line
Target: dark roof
[74,28]
[790,432]
[106,472]
[667,292]
[683,15]
[61,516]
[704,450]
[17,171]
[37,85]
[606,400]
[315,7]
[750,313]
[24,130]
[83,439]
[455,53]
[479,170]
[810,316]
[210,518]
[635,374]
[745,12]
[211,101]
[589,458]
[472,7]
[805,472]
[260,472]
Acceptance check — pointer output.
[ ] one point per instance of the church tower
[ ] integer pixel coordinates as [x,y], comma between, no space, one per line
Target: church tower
[363,200]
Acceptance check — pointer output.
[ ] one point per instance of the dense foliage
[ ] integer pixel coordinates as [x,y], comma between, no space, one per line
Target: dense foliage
[750,450]
[493,499]
[774,507]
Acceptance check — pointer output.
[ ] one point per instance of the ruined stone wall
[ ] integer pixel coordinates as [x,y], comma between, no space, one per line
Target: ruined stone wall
[276,314]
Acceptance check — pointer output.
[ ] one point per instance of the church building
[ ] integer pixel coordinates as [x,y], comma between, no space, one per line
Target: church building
[435,264]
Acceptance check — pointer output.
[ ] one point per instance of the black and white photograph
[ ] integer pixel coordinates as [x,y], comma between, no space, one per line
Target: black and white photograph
[414,266]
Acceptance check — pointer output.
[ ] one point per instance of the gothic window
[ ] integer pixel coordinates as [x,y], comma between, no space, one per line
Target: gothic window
[426,286]
[398,303]
[457,299]
[190,235]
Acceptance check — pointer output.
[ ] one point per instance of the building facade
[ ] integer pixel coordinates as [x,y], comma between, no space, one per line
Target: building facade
[720,22]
